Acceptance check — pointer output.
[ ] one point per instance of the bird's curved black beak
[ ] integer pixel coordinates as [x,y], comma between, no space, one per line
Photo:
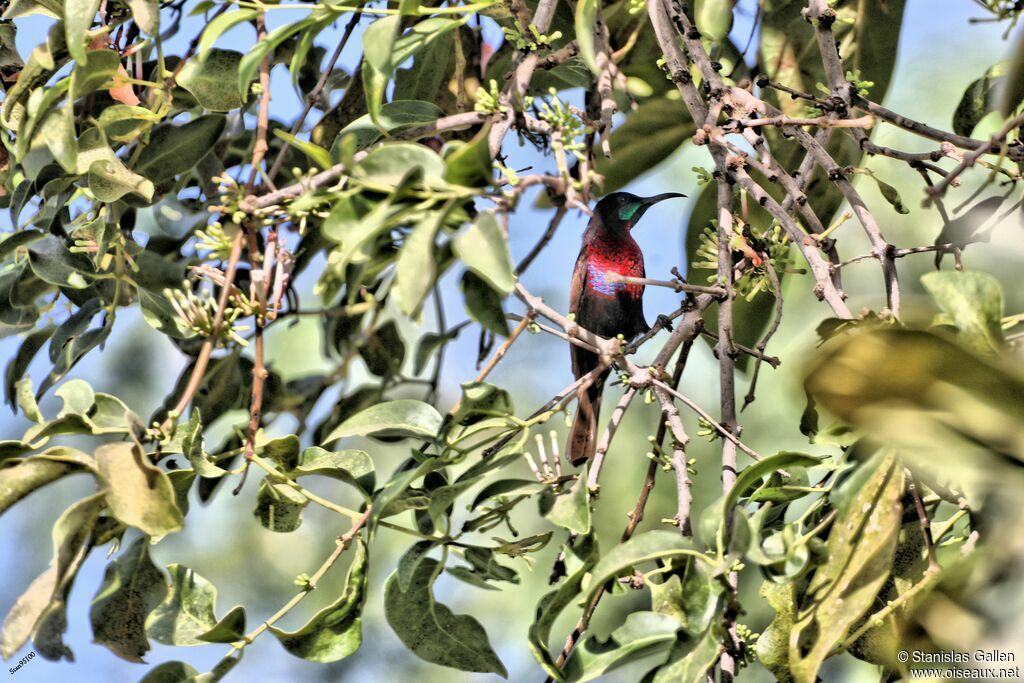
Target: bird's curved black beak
[648,202]
[651,201]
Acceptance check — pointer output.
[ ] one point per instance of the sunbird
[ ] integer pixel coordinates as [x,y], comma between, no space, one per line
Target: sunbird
[607,307]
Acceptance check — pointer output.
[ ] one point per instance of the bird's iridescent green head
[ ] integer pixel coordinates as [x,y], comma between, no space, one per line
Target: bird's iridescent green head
[620,211]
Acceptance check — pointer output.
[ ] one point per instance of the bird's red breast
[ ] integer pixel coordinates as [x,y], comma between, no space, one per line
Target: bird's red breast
[621,256]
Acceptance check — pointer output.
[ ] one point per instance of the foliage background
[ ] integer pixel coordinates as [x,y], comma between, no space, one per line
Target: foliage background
[940,53]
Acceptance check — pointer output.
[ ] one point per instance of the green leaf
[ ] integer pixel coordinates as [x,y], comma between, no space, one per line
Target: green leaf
[392,163]
[1012,91]
[482,400]
[469,163]
[95,74]
[18,479]
[416,268]
[139,493]
[171,672]
[351,466]
[317,154]
[773,645]
[403,418]
[974,303]
[334,632]
[194,450]
[484,250]
[223,23]
[378,68]
[432,631]
[584,553]
[860,551]
[40,611]
[586,15]
[754,473]
[27,400]
[508,487]
[146,14]
[279,506]
[52,262]
[206,78]
[132,587]
[395,117]
[645,547]
[78,17]
[283,451]
[642,634]
[188,616]
[571,509]
[483,303]
[124,123]
[112,180]
[410,562]
[690,659]
[176,149]
[58,129]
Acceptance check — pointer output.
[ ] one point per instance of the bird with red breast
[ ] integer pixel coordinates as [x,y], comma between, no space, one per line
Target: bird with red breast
[605,304]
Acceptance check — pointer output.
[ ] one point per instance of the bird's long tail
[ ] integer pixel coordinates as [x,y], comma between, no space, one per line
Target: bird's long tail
[583,435]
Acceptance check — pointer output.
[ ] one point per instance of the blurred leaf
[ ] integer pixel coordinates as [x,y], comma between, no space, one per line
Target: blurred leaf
[384,351]
[571,508]
[483,303]
[714,18]
[432,631]
[138,493]
[860,551]
[924,394]
[483,248]
[187,615]
[974,302]
[647,137]
[642,635]
[1011,91]
[508,487]
[146,14]
[40,611]
[206,79]
[403,418]
[132,587]
[334,632]
[173,149]
[586,15]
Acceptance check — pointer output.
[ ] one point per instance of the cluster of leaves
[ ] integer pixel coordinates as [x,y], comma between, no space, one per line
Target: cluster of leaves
[105,134]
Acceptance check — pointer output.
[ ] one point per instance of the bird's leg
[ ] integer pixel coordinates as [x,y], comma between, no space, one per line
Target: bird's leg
[664,322]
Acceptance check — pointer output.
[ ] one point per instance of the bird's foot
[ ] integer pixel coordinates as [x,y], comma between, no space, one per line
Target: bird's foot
[664,322]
